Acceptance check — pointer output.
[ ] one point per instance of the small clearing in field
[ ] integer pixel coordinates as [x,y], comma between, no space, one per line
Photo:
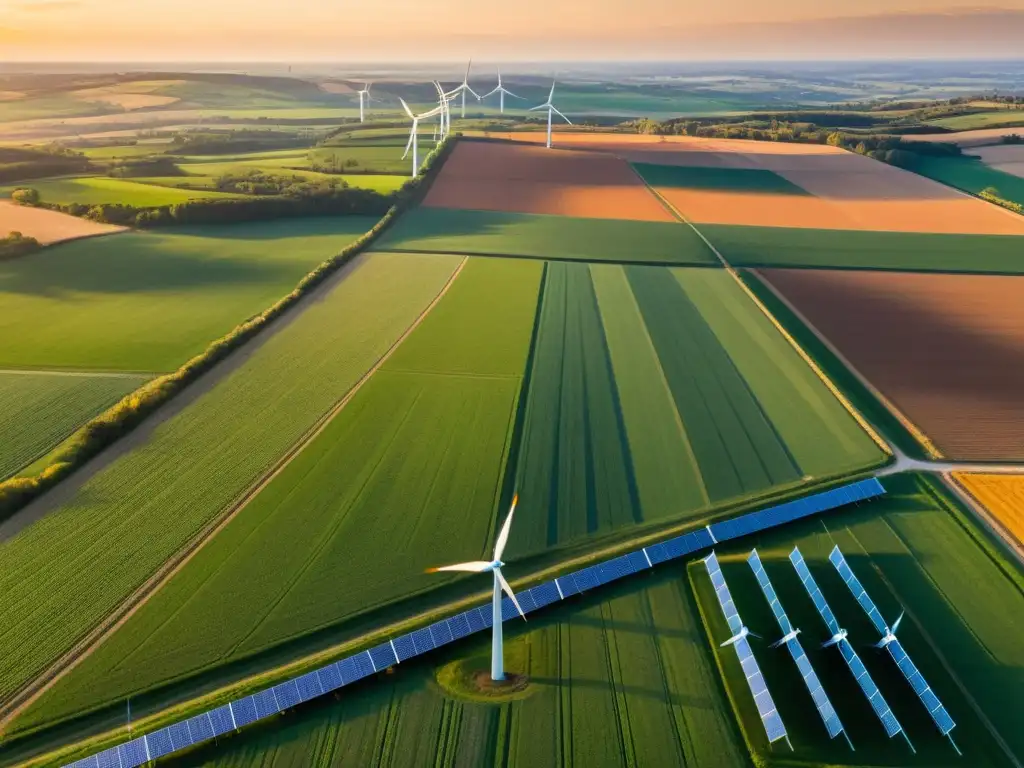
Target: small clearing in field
[525,179]
[948,350]
[1002,495]
[48,227]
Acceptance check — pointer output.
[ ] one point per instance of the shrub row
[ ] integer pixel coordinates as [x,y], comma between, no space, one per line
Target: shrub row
[116,422]
[992,195]
[16,244]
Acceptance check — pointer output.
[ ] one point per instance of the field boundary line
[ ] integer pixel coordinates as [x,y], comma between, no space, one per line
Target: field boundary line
[829,384]
[31,693]
[560,259]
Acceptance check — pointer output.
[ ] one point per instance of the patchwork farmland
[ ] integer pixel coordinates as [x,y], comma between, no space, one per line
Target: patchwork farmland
[566,325]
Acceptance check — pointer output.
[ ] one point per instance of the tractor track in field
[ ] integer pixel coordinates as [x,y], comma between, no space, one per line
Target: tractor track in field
[18,702]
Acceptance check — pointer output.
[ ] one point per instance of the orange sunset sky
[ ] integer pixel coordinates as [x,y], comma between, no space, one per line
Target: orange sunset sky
[338,30]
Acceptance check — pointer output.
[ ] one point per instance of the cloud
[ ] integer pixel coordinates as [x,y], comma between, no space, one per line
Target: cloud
[48,6]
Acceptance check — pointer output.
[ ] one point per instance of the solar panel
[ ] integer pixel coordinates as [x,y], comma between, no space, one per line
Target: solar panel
[200,728]
[770,717]
[133,753]
[108,758]
[856,666]
[907,668]
[831,720]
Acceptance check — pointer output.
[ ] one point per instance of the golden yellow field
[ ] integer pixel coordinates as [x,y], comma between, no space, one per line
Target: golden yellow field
[1002,495]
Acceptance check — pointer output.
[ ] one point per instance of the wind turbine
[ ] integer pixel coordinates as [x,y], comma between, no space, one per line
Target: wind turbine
[414,142]
[501,90]
[463,88]
[364,94]
[444,101]
[552,110]
[479,566]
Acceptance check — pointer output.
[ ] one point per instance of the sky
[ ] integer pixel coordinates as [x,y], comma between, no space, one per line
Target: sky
[390,30]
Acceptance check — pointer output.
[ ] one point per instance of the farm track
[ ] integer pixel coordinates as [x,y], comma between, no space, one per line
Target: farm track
[20,701]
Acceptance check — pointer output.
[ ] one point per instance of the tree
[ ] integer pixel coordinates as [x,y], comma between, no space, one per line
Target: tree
[25,196]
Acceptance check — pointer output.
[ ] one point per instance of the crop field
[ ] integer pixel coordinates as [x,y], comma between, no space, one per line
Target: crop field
[981,120]
[417,456]
[172,478]
[1002,495]
[973,175]
[876,251]
[38,410]
[710,178]
[96,190]
[48,227]
[914,550]
[519,178]
[206,173]
[443,230]
[657,394]
[385,158]
[620,678]
[948,350]
[148,301]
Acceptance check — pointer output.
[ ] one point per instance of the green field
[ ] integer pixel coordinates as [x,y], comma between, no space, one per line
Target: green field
[971,175]
[916,551]
[148,301]
[171,479]
[621,678]
[993,119]
[848,249]
[38,410]
[439,230]
[96,190]
[417,456]
[749,180]
[206,173]
[656,395]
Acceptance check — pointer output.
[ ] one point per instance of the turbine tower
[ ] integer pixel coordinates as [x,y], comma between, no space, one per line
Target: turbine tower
[552,110]
[463,88]
[364,95]
[414,142]
[501,91]
[479,566]
[444,101]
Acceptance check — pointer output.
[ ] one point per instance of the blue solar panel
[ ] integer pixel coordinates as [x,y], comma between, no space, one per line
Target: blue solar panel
[567,585]
[508,610]
[85,762]
[383,656]
[675,547]
[159,743]
[199,728]
[698,540]
[180,737]
[440,633]
[133,753]
[476,623]
[637,561]
[614,569]
[857,589]
[486,613]
[330,678]
[286,695]
[545,594]
[266,703]
[222,720]
[525,599]
[657,553]
[422,640]
[458,625]
[362,665]
[586,578]
[108,758]
[813,591]
[308,686]
[924,692]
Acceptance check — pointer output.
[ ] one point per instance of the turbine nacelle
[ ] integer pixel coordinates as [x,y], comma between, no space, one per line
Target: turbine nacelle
[739,636]
[837,638]
[786,638]
[890,633]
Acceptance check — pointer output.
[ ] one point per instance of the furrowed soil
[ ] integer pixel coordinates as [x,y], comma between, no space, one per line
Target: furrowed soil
[948,350]
[48,227]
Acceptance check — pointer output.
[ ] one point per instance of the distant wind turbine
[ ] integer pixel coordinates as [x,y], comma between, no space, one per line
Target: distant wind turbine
[414,142]
[364,94]
[479,566]
[464,88]
[501,90]
[550,107]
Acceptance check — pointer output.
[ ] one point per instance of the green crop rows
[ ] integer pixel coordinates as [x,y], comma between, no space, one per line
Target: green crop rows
[38,410]
[97,190]
[175,477]
[432,230]
[407,476]
[718,179]
[656,394]
[148,301]
[971,175]
[916,551]
[619,679]
[837,249]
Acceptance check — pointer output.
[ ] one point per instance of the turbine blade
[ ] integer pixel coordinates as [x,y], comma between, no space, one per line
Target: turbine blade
[509,592]
[552,94]
[476,566]
[539,106]
[754,634]
[777,643]
[509,93]
[470,90]
[830,643]
[499,545]
[880,643]
[489,94]
[896,624]
[561,116]
[412,138]
[465,80]
[406,108]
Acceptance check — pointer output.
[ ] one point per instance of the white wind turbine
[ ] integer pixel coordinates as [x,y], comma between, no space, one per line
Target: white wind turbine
[501,90]
[463,88]
[414,142]
[551,111]
[364,98]
[479,566]
[444,101]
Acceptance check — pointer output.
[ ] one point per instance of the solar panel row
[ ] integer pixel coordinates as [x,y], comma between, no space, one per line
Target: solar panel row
[828,714]
[770,717]
[348,670]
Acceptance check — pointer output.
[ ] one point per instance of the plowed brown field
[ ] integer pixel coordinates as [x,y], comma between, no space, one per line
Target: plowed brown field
[48,226]
[520,178]
[847,191]
[1002,495]
[947,350]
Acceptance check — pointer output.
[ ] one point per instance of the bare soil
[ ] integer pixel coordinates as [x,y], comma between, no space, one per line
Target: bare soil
[948,350]
[48,227]
[1008,158]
